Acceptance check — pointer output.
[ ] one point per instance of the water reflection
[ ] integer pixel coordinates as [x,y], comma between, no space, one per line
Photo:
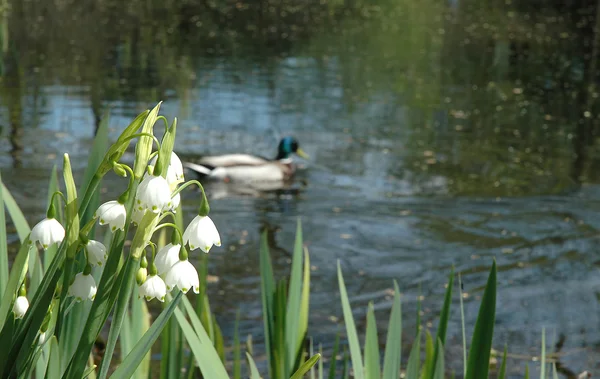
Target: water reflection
[442,133]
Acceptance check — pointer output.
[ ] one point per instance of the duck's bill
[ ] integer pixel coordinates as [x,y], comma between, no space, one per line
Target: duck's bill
[302,154]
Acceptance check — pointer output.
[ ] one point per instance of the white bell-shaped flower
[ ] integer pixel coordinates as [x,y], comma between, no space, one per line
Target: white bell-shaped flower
[20,307]
[112,213]
[174,172]
[137,215]
[42,338]
[166,257]
[153,287]
[201,233]
[96,253]
[183,275]
[153,194]
[47,232]
[83,287]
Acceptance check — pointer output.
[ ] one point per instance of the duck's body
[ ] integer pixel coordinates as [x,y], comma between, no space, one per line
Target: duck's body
[250,168]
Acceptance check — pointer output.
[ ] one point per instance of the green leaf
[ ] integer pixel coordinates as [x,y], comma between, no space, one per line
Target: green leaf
[200,344]
[293,327]
[267,286]
[334,357]
[481,343]
[462,323]
[554,372]
[237,356]
[137,355]
[439,362]
[53,187]
[15,213]
[3,248]
[6,335]
[429,351]
[443,325]
[502,373]
[526,371]
[305,300]
[414,359]
[166,148]
[350,328]
[371,351]
[54,368]
[89,372]
[15,278]
[254,374]
[321,370]
[543,360]
[306,366]
[393,346]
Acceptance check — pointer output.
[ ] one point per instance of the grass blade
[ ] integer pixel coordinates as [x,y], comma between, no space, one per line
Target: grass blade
[429,351]
[462,324]
[350,328]
[267,286]
[543,360]
[3,248]
[554,372]
[254,374]
[371,351]
[294,331]
[237,351]
[393,346]
[439,362]
[304,368]
[15,214]
[443,325]
[414,359]
[137,354]
[332,365]
[481,343]
[526,371]
[502,373]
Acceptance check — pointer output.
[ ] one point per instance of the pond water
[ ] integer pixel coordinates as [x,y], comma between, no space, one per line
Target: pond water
[439,134]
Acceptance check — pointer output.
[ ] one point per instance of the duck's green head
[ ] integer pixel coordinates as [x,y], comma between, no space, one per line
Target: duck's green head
[288,146]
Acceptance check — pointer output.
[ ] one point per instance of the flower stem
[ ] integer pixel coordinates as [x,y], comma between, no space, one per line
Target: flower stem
[204,206]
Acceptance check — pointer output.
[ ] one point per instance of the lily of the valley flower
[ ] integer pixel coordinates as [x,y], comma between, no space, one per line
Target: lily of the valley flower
[96,253]
[47,232]
[183,275]
[153,194]
[112,213]
[20,307]
[166,257]
[175,201]
[201,233]
[174,172]
[153,287]
[84,286]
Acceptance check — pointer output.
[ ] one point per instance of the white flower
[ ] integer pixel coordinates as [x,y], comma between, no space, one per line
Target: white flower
[42,338]
[153,194]
[183,275]
[201,233]
[166,258]
[96,253]
[153,287]
[47,232]
[174,172]
[175,201]
[137,215]
[20,307]
[112,213]
[84,287]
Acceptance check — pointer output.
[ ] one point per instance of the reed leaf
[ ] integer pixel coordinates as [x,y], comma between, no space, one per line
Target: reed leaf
[371,349]
[350,328]
[306,366]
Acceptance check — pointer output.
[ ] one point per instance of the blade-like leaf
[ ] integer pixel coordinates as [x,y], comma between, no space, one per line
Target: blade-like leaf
[332,365]
[429,351]
[267,286]
[15,213]
[371,352]
[526,371]
[237,355]
[502,373]
[439,362]
[393,346]
[306,366]
[15,278]
[543,360]
[554,372]
[253,370]
[350,328]
[443,325]
[414,359]
[293,328]
[481,343]
[3,248]
[54,368]
[462,324]
[201,346]
[135,357]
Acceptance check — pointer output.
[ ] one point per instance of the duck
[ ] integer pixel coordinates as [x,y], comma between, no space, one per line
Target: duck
[250,168]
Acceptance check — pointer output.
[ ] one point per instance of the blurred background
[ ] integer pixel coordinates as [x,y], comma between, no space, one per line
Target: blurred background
[441,133]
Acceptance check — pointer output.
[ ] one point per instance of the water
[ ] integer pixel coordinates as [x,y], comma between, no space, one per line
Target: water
[440,135]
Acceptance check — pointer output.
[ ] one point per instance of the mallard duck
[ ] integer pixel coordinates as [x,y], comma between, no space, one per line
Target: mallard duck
[250,168]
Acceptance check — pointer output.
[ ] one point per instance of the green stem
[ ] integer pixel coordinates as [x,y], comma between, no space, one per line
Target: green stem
[166,224]
[204,207]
